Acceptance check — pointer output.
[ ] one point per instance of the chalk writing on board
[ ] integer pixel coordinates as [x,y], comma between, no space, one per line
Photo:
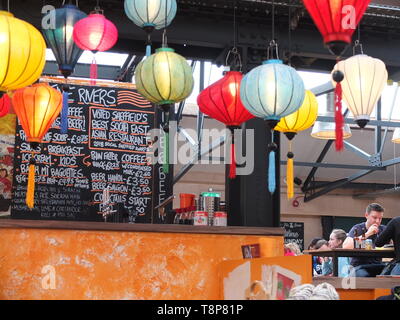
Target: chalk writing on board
[107,146]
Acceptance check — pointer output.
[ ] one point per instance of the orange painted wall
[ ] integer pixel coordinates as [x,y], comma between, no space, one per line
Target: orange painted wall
[118,265]
[366,294]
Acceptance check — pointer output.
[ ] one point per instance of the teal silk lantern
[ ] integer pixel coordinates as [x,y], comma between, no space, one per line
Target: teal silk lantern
[272,91]
[150,15]
[60,39]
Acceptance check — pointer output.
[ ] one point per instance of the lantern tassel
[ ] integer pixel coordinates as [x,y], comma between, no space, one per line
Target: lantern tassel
[290,177]
[339,120]
[30,192]
[148,50]
[93,71]
[64,112]
[271,173]
[166,153]
[232,168]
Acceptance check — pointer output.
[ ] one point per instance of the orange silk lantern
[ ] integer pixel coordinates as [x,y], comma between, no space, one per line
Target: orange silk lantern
[36,107]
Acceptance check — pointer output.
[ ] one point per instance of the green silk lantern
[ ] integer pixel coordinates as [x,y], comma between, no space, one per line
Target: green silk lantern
[164,78]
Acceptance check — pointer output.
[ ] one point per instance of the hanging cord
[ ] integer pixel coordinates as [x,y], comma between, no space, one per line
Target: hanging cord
[357,43]
[273,46]
[395,167]
[164,38]
[76,2]
[273,20]
[290,36]
[236,63]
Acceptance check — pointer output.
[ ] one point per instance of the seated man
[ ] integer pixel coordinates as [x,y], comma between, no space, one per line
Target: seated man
[392,232]
[367,267]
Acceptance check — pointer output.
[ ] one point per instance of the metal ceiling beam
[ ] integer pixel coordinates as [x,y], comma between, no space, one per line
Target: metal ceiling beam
[335,165]
[382,123]
[82,70]
[200,31]
[335,185]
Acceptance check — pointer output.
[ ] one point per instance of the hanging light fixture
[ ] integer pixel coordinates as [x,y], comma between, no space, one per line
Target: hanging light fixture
[164,78]
[150,15]
[4,105]
[21,63]
[336,20]
[67,53]
[290,125]
[221,100]
[327,130]
[36,107]
[97,34]
[364,80]
[396,135]
[272,91]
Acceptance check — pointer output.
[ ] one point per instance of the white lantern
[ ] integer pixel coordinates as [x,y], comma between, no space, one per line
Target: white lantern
[364,80]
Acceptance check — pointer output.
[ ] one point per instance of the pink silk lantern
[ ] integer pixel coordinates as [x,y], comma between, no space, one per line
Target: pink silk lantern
[95,33]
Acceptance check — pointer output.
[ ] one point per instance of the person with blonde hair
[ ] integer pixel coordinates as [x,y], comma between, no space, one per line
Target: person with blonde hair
[294,248]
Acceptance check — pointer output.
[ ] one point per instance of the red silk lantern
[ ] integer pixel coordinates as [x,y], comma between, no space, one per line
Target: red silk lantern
[221,101]
[36,107]
[336,20]
[5,103]
[95,33]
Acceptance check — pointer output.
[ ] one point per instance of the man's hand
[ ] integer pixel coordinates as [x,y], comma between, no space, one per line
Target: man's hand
[374,229]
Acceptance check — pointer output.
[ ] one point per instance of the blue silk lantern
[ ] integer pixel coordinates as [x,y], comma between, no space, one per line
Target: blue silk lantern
[271,92]
[60,39]
[150,15]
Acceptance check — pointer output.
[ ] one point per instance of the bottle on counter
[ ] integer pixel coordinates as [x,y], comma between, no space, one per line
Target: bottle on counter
[356,240]
[363,239]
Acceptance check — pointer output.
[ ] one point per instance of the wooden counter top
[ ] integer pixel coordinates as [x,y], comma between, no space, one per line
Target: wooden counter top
[125,227]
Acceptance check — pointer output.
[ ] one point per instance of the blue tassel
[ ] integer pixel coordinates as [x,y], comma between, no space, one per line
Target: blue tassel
[148,50]
[64,114]
[271,173]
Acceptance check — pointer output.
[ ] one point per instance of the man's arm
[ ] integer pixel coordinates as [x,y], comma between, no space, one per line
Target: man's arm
[348,243]
[386,235]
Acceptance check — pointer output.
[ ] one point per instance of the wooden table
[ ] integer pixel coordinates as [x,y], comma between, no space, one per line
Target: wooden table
[359,253]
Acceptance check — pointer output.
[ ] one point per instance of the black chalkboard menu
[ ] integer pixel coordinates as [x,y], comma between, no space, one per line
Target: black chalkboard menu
[107,147]
[294,232]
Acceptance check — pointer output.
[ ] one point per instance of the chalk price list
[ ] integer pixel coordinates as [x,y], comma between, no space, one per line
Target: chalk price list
[119,141]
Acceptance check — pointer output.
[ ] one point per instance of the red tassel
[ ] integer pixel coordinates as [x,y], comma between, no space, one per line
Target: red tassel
[339,117]
[232,169]
[93,72]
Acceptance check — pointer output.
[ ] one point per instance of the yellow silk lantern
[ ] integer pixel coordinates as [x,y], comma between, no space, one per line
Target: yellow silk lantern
[290,125]
[22,53]
[36,107]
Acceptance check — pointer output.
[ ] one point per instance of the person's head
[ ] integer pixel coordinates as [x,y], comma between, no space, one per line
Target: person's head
[337,238]
[313,242]
[3,173]
[293,247]
[374,214]
[321,245]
